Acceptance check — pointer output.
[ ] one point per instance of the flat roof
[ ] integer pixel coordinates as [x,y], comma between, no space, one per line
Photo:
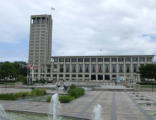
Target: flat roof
[107,56]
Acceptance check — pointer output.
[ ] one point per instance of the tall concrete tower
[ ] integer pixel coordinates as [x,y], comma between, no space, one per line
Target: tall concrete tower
[40,39]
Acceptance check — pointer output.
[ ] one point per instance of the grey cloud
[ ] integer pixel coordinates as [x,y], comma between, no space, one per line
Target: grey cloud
[86,27]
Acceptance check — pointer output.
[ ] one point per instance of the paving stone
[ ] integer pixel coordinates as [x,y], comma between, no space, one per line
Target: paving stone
[115,106]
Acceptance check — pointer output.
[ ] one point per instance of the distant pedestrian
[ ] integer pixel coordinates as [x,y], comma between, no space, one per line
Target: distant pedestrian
[65,88]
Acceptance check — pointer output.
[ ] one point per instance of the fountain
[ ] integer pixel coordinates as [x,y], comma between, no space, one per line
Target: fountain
[54,108]
[3,115]
[97,112]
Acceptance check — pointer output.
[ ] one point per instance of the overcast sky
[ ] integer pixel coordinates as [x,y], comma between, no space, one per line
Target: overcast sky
[81,27]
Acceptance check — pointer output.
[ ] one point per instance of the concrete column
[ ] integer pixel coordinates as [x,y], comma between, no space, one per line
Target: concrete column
[124,68]
[110,66]
[117,68]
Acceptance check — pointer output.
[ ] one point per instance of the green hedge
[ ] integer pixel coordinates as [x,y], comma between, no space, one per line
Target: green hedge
[14,96]
[77,92]
[48,99]
[38,92]
[72,86]
[9,96]
[62,98]
[65,98]
[73,93]
[146,83]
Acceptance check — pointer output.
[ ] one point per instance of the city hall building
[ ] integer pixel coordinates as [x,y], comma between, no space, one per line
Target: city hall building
[76,68]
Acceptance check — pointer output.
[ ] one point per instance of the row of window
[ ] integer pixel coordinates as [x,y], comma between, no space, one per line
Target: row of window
[94,69]
[92,77]
[127,59]
[39,20]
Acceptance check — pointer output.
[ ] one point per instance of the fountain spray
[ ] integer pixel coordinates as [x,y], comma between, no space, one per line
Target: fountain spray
[54,108]
[3,115]
[97,112]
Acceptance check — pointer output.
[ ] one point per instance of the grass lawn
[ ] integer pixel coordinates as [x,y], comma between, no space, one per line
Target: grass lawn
[147,86]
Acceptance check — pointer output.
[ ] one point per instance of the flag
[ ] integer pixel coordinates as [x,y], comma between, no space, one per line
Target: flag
[39,67]
[31,66]
[52,8]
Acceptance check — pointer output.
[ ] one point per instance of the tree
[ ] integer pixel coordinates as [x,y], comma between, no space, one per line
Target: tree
[22,79]
[7,70]
[148,71]
[21,68]
[12,70]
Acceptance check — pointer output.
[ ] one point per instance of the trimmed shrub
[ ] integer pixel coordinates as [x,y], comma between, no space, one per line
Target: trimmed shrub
[65,98]
[38,92]
[62,98]
[9,96]
[22,94]
[14,96]
[48,99]
[77,92]
[72,86]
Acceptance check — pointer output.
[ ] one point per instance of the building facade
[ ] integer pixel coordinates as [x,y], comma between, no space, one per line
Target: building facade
[98,68]
[76,68]
[40,39]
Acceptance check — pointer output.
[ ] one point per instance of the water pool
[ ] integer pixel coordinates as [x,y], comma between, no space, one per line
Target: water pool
[29,116]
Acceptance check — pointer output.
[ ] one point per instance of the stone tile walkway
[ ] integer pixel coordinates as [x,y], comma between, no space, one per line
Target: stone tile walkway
[116,106]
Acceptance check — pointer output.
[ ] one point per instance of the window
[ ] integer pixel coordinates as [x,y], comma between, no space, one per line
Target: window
[120,59]
[93,68]
[127,68]
[100,66]
[142,59]
[73,75]
[43,20]
[107,68]
[93,59]
[80,59]
[100,59]
[107,59]
[74,60]
[141,64]
[120,68]
[48,75]
[114,59]
[86,67]
[113,68]
[149,59]
[38,20]
[135,68]
[67,67]
[135,59]
[100,77]
[61,59]
[55,59]
[80,68]
[128,59]
[113,76]
[61,67]
[54,75]
[86,75]
[87,60]
[67,75]
[107,77]
[60,75]
[48,70]
[73,67]
[79,75]
[67,59]
[93,77]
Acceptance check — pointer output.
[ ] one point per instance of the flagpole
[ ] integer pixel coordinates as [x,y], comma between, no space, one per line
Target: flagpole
[32,75]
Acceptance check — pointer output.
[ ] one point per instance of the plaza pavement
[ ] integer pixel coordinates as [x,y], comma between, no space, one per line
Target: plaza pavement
[16,90]
[115,105]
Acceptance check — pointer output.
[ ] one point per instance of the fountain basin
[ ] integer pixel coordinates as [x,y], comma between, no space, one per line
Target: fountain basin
[31,116]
